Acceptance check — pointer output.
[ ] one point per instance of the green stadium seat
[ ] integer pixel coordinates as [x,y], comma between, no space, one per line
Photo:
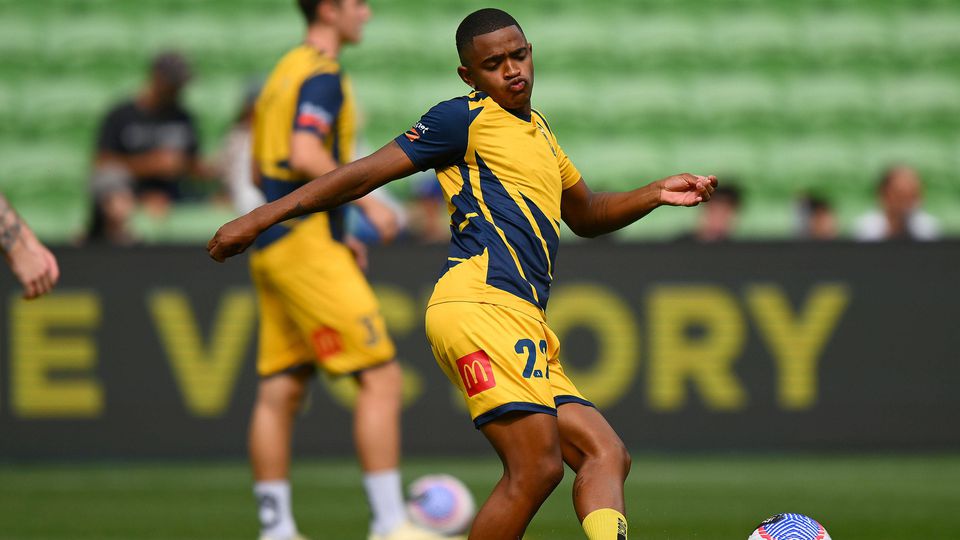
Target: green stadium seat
[786,96]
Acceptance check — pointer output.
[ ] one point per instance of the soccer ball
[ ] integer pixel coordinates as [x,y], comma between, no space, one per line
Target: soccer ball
[440,503]
[790,527]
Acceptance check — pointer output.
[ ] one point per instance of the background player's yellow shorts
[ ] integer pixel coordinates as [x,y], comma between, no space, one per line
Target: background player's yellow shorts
[316,306]
[501,359]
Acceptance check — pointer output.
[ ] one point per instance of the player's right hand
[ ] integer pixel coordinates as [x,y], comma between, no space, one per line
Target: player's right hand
[686,189]
[233,238]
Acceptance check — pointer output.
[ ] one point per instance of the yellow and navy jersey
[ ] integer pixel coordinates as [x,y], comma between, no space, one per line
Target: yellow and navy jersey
[305,92]
[502,177]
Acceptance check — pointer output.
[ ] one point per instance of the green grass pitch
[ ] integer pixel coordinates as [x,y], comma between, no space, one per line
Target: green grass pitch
[688,497]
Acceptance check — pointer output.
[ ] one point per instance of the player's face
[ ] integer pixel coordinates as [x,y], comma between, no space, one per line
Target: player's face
[500,63]
[351,16]
[166,92]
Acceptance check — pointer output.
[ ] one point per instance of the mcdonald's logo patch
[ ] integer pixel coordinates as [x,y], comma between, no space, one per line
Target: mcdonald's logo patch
[327,342]
[476,373]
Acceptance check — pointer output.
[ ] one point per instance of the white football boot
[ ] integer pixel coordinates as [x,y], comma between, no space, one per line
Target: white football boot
[296,536]
[409,531]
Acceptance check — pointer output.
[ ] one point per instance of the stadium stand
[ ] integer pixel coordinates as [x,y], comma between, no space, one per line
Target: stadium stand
[789,97]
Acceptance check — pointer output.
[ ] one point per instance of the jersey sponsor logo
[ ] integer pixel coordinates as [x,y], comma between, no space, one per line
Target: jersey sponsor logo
[315,117]
[476,373]
[327,342]
[413,133]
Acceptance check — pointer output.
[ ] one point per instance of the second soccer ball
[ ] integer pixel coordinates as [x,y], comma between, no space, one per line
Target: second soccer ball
[440,503]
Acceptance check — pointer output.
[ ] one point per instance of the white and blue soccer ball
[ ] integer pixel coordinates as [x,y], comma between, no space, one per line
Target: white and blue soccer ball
[790,527]
[440,503]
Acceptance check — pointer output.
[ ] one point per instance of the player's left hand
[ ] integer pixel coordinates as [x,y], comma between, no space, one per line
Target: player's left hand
[233,238]
[35,267]
[687,189]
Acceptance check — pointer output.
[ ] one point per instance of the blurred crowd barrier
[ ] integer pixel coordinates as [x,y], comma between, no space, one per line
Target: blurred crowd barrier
[148,352]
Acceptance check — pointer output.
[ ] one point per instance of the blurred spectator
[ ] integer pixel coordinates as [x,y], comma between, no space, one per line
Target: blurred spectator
[429,220]
[236,158]
[153,137]
[718,219]
[817,219]
[113,206]
[899,217]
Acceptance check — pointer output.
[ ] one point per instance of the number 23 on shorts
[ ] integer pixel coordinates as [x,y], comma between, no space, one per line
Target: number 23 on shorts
[529,348]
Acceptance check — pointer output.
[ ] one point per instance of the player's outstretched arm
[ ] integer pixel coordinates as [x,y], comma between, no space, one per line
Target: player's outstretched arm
[337,187]
[33,264]
[591,214]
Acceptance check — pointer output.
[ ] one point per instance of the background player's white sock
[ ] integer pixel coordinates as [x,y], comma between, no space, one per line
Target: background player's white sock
[273,505]
[386,500]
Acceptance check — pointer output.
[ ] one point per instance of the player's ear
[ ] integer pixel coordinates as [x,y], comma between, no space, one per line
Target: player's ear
[464,74]
[327,12]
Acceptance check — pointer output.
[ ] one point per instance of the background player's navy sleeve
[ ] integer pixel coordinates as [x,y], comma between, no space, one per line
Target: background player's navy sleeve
[440,137]
[318,104]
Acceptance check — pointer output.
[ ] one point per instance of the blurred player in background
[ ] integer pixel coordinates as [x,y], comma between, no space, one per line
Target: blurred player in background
[316,307]
[31,262]
[508,183]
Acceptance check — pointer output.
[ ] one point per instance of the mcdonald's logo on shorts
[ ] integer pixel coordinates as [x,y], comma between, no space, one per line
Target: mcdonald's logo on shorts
[476,373]
[327,342]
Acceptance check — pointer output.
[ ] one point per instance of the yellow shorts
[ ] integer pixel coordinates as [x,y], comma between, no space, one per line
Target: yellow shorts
[316,307]
[501,359]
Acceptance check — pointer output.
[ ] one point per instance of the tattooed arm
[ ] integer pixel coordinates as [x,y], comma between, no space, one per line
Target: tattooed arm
[30,261]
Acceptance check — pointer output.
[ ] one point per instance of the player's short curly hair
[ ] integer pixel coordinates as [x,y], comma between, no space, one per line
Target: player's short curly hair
[481,22]
[309,9]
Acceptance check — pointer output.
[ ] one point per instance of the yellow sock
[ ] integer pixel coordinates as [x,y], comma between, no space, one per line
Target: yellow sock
[605,524]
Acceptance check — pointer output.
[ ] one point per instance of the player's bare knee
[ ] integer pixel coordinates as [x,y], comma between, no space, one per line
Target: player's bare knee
[291,400]
[626,460]
[537,479]
[284,397]
[616,457]
[612,455]
[553,473]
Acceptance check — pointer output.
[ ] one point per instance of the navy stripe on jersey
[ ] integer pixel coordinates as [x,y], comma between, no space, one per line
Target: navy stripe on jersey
[540,116]
[470,238]
[466,231]
[439,139]
[521,236]
[274,189]
[548,233]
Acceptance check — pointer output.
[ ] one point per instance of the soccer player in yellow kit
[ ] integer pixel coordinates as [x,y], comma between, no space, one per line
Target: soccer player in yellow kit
[508,183]
[316,307]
